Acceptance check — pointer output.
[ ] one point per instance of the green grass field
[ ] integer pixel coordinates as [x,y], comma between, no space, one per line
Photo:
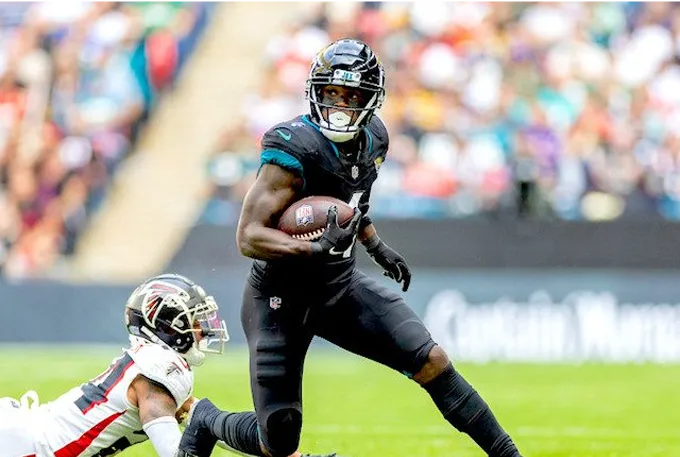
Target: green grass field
[360,409]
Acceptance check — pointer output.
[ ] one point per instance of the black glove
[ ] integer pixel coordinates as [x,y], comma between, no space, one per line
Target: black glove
[390,260]
[335,239]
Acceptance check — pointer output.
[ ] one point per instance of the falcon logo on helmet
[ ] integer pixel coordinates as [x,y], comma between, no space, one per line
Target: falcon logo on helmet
[158,295]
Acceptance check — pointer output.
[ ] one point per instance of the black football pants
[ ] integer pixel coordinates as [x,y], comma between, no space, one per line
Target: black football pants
[368,320]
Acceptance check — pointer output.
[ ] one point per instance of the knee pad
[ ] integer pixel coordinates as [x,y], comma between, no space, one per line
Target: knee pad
[283,432]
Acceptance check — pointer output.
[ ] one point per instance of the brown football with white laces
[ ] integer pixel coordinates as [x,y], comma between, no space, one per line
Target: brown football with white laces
[307,219]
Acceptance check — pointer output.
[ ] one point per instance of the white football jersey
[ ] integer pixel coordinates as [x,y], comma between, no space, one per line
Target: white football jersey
[97,419]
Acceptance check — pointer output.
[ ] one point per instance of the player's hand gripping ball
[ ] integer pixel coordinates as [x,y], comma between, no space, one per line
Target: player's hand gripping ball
[307,219]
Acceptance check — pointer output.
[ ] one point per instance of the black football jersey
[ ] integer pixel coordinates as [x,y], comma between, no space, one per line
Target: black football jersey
[299,146]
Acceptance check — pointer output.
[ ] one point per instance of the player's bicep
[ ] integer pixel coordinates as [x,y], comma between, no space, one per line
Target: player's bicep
[153,399]
[273,191]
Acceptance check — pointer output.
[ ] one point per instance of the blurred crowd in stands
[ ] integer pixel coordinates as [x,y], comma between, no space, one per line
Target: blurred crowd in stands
[547,110]
[77,82]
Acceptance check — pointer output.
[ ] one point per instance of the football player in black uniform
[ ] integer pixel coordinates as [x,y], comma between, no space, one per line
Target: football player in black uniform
[301,289]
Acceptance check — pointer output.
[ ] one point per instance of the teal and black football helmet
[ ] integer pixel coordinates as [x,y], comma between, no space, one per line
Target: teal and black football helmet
[351,63]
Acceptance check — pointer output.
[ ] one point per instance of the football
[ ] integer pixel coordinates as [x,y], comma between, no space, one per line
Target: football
[306,219]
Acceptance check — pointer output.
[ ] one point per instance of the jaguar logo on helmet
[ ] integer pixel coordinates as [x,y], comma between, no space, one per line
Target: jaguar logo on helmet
[322,64]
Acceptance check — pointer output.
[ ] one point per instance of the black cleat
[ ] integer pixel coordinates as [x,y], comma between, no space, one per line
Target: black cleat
[197,439]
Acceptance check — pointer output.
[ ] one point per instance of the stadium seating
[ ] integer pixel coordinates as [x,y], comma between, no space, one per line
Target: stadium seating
[77,82]
[565,110]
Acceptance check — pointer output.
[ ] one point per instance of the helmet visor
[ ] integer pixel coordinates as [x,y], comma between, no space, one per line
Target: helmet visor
[210,331]
[213,332]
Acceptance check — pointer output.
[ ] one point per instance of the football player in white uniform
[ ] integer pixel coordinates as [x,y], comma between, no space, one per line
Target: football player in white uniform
[172,323]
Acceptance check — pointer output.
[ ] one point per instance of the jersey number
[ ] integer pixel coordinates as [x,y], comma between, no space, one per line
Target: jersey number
[95,392]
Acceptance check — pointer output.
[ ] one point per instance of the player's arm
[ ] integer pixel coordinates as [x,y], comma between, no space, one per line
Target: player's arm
[158,414]
[366,233]
[273,191]
[390,260]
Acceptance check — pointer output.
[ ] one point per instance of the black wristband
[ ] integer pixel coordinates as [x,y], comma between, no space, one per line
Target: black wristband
[372,243]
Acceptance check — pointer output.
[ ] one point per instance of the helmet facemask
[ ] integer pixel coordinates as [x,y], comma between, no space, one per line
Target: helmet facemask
[345,122]
[209,332]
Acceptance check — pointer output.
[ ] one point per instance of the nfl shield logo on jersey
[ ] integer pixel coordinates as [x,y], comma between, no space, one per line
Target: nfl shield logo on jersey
[274,302]
[304,215]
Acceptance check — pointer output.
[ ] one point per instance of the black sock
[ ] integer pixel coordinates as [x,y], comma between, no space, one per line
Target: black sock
[462,406]
[238,431]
